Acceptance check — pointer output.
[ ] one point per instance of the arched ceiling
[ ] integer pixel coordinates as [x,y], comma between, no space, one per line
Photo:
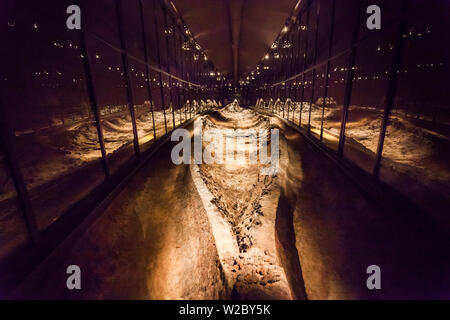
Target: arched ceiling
[235,34]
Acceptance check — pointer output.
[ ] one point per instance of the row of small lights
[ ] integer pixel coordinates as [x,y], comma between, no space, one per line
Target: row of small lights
[287,44]
[60,45]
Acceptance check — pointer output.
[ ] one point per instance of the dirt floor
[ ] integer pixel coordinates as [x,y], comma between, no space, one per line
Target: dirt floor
[305,233]
[245,199]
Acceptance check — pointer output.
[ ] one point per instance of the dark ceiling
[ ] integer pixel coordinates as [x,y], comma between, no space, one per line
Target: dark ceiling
[235,34]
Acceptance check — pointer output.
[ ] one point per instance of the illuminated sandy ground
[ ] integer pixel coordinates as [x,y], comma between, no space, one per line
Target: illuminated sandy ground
[416,153]
[306,233]
[406,142]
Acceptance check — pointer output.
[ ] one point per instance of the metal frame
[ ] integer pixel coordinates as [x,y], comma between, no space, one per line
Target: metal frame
[126,77]
[93,101]
[166,35]
[13,164]
[147,70]
[273,90]
[330,49]
[349,81]
[314,71]
[161,88]
[7,133]
[392,85]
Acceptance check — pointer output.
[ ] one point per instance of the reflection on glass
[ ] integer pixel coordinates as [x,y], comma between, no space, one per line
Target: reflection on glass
[373,62]
[416,152]
[334,102]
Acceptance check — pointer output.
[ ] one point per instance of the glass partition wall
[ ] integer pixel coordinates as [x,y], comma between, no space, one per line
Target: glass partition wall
[373,98]
[81,106]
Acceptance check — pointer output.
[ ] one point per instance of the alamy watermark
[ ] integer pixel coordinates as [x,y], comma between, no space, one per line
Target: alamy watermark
[374,280]
[228,146]
[73,281]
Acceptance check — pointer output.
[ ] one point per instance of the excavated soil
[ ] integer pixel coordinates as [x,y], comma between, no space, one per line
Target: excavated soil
[240,192]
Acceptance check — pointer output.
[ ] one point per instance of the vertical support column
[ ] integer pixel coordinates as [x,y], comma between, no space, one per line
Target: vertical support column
[177,48]
[349,82]
[283,72]
[273,92]
[291,64]
[314,72]
[283,75]
[188,77]
[93,100]
[166,35]
[392,85]
[7,144]
[126,76]
[197,80]
[157,37]
[194,80]
[305,55]
[147,70]
[183,64]
[297,58]
[330,46]
[273,97]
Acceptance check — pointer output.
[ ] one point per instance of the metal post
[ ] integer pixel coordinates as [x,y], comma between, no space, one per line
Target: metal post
[147,70]
[330,44]
[166,35]
[161,88]
[349,82]
[292,63]
[283,75]
[197,80]
[126,77]
[314,63]
[177,62]
[93,100]
[305,55]
[296,50]
[392,85]
[183,65]
[12,162]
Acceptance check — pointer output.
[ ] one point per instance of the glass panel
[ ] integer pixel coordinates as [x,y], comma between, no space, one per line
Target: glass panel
[370,81]
[150,32]
[416,152]
[390,11]
[312,28]
[317,101]
[137,72]
[305,105]
[13,231]
[324,29]
[161,32]
[160,121]
[168,101]
[334,102]
[344,24]
[109,82]
[304,34]
[56,141]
